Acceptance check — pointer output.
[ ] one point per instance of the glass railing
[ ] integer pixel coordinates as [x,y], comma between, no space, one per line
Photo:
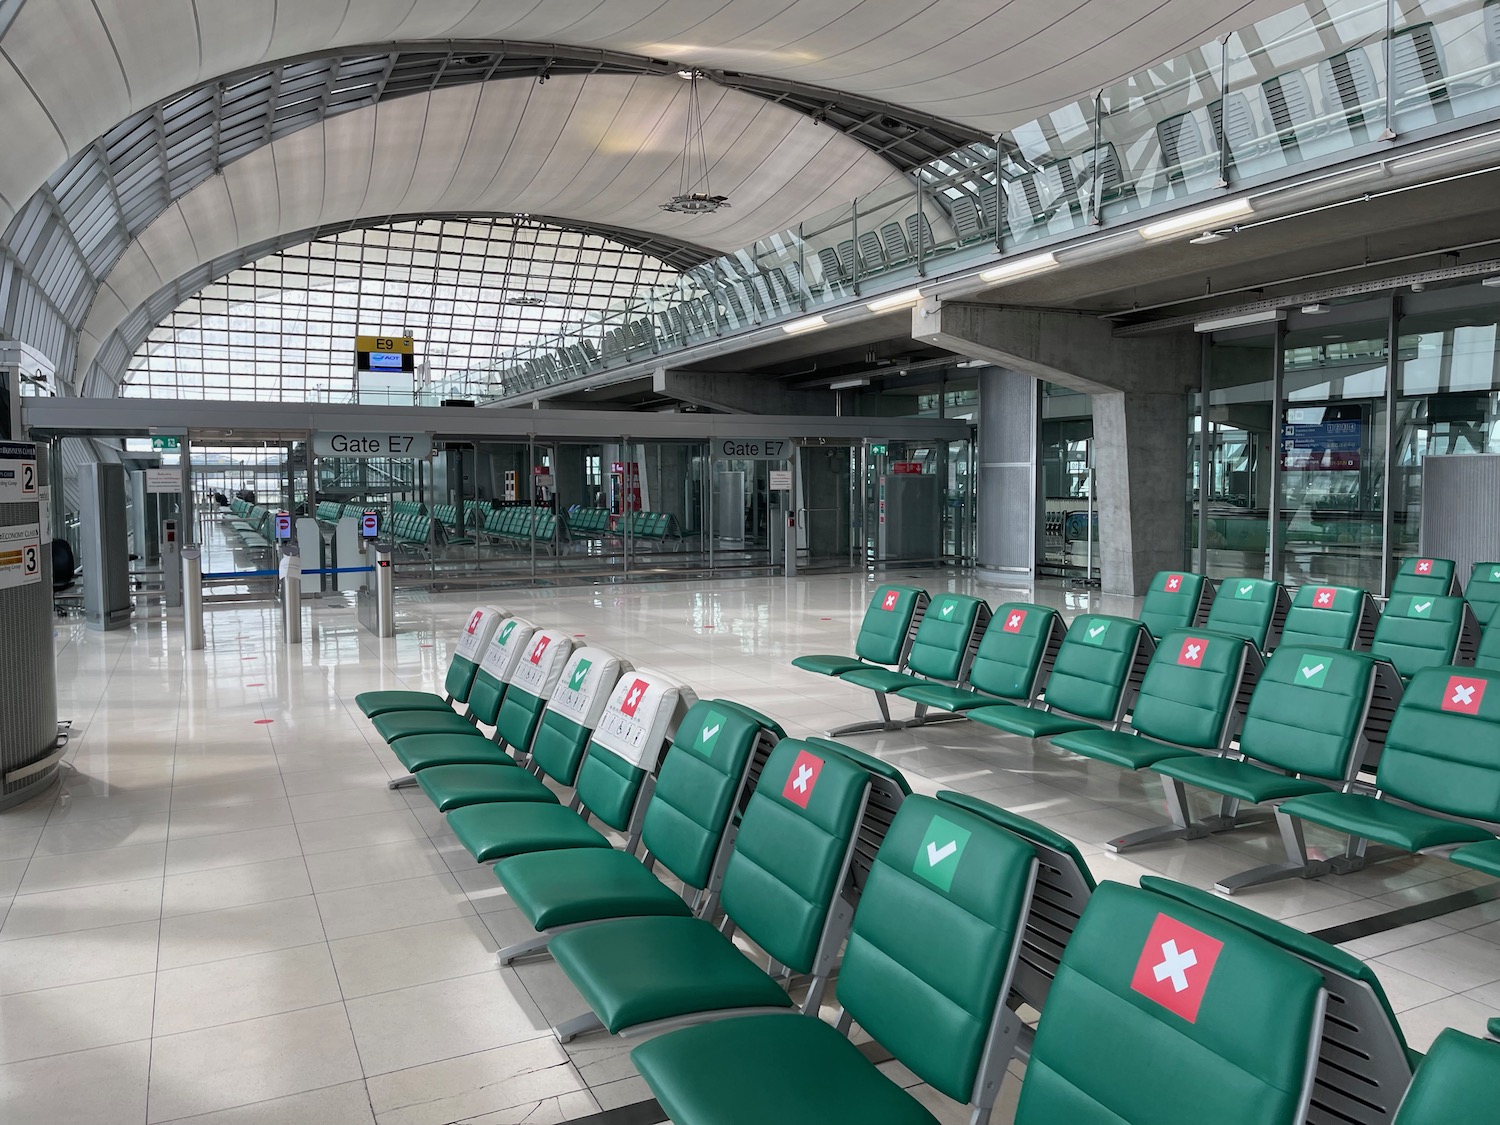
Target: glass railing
[1307,86]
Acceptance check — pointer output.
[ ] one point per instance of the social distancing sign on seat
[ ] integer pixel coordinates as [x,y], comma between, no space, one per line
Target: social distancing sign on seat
[479,631]
[541,665]
[585,684]
[511,642]
[642,711]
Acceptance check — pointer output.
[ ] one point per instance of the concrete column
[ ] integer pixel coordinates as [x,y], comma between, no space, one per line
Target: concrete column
[1139,387]
[1140,480]
[1007,457]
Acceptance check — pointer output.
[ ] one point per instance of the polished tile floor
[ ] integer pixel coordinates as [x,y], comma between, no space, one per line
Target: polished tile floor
[222,915]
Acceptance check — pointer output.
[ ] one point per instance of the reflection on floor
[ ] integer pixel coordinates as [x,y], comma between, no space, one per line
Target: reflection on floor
[224,915]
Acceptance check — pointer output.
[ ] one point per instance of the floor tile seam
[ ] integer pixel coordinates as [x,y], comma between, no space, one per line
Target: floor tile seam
[297,1006]
[242,956]
[565,1061]
[78,1050]
[237,906]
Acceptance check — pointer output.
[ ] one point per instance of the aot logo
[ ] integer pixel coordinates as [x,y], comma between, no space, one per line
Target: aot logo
[1173,584]
[1244,590]
[890,600]
[1094,632]
[475,620]
[1014,620]
[1424,566]
[802,780]
[633,698]
[539,649]
[1176,965]
[939,853]
[1463,695]
[1312,671]
[1324,598]
[580,674]
[1193,651]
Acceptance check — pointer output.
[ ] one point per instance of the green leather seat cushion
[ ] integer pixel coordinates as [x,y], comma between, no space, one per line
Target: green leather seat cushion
[495,831]
[374,703]
[1240,780]
[423,751]
[788,1069]
[403,724]
[1456,1083]
[1028,721]
[1381,821]
[637,970]
[454,786]
[585,885]
[1130,751]
[948,698]
[879,679]
[828,665]
[1483,856]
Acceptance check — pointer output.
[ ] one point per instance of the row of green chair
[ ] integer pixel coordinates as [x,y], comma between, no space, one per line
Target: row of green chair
[518,525]
[961,914]
[588,522]
[411,531]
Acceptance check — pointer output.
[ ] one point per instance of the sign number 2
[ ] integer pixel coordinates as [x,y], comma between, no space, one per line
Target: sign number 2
[28,476]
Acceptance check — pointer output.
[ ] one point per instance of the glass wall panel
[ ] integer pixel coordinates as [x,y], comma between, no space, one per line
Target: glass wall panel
[1333,454]
[1241,438]
[1066,450]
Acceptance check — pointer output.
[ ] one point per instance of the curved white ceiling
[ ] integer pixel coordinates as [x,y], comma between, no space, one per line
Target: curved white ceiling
[601,149]
[70,69]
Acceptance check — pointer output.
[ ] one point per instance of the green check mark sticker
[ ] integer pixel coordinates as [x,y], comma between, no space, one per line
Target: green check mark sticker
[1312,671]
[939,853]
[507,630]
[1244,590]
[580,673]
[1095,633]
[708,733]
[1422,609]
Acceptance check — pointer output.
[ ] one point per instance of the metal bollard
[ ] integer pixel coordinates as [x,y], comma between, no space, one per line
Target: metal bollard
[192,597]
[385,592]
[291,597]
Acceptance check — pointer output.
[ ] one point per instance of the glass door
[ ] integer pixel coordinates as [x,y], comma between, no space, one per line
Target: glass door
[826,504]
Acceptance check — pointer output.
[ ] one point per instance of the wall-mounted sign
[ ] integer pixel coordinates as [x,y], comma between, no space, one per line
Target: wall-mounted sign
[17,472]
[781,480]
[384,353]
[907,468]
[163,480]
[166,444]
[20,555]
[754,449]
[338,443]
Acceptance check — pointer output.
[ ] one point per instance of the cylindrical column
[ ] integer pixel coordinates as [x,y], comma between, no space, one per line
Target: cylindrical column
[192,598]
[385,592]
[291,597]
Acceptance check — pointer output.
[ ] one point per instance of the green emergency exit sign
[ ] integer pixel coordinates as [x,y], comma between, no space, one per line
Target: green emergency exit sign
[878,450]
[165,444]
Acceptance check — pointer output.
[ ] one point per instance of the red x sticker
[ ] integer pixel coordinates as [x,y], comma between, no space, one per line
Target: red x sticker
[539,648]
[891,598]
[1173,583]
[1464,694]
[475,620]
[1424,566]
[633,698]
[1176,964]
[1014,620]
[1324,598]
[804,776]
[1193,651]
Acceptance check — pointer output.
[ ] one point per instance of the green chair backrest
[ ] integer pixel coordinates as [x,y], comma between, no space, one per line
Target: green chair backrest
[1331,616]
[696,789]
[1443,749]
[1483,592]
[1188,694]
[463,669]
[1455,1083]
[1488,653]
[1419,631]
[1364,1064]
[558,746]
[1016,651]
[792,850]
[1308,711]
[1253,608]
[934,940]
[1164,1014]
[1091,677]
[1426,576]
[1176,600]
[608,785]
[940,649]
[1064,885]
[520,714]
[628,746]
[888,789]
[888,623]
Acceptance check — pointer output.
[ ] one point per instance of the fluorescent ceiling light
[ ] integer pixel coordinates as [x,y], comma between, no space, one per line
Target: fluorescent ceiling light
[1199,219]
[1208,238]
[1315,310]
[1021,267]
[846,384]
[904,299]
[1264,317]
[806,324]
[1492,282]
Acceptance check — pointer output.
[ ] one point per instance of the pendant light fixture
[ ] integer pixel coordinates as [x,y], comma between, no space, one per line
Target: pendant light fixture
[694,194]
